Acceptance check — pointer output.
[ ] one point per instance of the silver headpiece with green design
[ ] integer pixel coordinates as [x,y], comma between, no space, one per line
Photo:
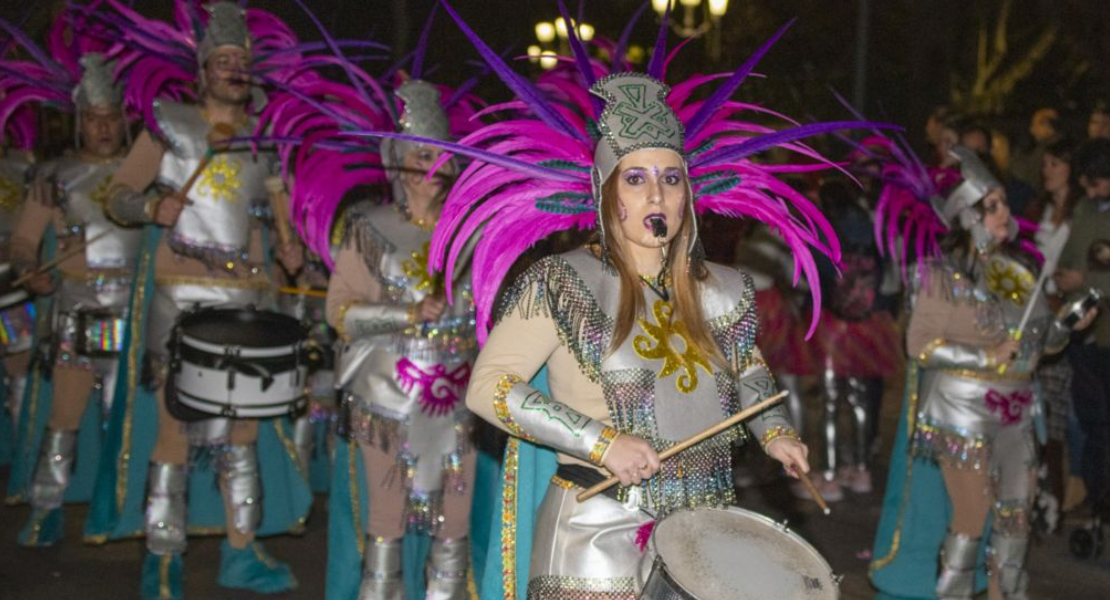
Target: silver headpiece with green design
[227,26]
[97,86]
[636,116]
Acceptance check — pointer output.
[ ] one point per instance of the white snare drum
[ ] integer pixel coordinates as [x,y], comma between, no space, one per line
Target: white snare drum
[17,314]
[734,554]
[239,364]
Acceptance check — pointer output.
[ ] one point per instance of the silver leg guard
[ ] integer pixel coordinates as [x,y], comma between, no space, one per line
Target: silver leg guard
[165,508]
[14,401]
[243,485]
[303,440]
[53,469]
[957,567]
[381,571]
[859,399]
[1009,554]
[446,574]
[829,386]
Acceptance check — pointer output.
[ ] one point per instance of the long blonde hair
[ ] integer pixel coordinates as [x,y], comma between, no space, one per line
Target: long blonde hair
[686,276]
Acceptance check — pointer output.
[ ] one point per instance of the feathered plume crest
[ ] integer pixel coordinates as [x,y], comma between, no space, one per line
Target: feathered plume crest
[311,125]
[531,172]
[907,225]
[160,58]
[43,76]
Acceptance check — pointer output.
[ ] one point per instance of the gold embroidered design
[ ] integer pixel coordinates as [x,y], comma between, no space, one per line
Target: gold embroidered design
[103,192]
[417,268]
[1007,280]
[659,346]
[221,178]
[10,195]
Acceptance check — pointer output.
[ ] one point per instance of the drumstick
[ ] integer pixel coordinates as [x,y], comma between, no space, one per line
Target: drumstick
[69,253]
[812,489]
[693,440]
[303,291]
[1054,248]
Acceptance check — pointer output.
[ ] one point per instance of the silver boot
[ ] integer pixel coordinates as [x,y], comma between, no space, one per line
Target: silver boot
[303,431]
[957,567]
[53,470]
[239,473]
[1009,552]
[165,508]
[381,571]
[446,574]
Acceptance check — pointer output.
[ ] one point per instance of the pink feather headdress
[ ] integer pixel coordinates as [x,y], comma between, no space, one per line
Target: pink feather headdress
[531,171]
[46,77]
[310,120]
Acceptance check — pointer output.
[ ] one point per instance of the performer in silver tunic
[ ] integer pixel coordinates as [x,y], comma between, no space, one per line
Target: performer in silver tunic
[15,330]
[210,254]
[91,300]
[977,395]
[406,363]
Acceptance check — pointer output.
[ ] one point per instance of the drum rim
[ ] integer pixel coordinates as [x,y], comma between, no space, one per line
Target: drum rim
[202,405]
[184,322]
[243,351]
[14,299]
[781,527]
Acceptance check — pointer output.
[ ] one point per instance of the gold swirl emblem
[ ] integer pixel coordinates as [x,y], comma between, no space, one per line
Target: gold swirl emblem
[657,344]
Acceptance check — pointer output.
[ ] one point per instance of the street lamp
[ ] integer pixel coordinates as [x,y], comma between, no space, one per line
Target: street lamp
[690,27]
[552,37]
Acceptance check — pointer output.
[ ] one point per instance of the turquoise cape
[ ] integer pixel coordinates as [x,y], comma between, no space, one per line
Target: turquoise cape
[916,512]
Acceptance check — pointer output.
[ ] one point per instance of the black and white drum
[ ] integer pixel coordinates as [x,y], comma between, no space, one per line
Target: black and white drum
[734,554]
[238,363]
[17,314]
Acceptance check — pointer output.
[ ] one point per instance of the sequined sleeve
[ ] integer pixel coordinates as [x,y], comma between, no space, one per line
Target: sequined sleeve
[756,384]
[926,340]
[354,306]
[129,198]
[520,344]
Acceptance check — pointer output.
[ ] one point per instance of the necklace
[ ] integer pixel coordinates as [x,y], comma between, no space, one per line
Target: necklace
[424,224]
[239,122]
[658,285]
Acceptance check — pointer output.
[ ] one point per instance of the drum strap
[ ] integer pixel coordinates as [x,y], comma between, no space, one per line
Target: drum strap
[585,477]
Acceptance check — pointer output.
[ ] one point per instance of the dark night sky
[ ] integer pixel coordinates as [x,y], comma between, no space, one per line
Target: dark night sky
[918,50]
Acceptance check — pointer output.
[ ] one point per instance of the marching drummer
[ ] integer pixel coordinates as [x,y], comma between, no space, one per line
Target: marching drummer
[644,342]
[91,299]
[16,316]
[210,254]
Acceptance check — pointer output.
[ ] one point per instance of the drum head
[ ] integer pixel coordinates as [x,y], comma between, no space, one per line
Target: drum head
[734,554]
[243,327]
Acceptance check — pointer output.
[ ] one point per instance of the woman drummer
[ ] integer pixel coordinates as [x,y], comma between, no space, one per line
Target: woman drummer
[644,342]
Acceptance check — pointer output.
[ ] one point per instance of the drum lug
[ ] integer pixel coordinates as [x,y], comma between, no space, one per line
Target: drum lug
[783,525]
[837,578]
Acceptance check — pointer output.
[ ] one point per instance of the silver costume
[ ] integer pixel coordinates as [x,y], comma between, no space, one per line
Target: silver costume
[663,408]
[972,416]
[14,174]
[406,382]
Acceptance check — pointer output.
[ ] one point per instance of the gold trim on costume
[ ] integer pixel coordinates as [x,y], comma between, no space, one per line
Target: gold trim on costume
[911,425]
[563,483]
[508,519]
[992,375]
[352,487]
[601,446]
[774,433]
[341,320]
[137,322]
[251,283]
[501,405]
